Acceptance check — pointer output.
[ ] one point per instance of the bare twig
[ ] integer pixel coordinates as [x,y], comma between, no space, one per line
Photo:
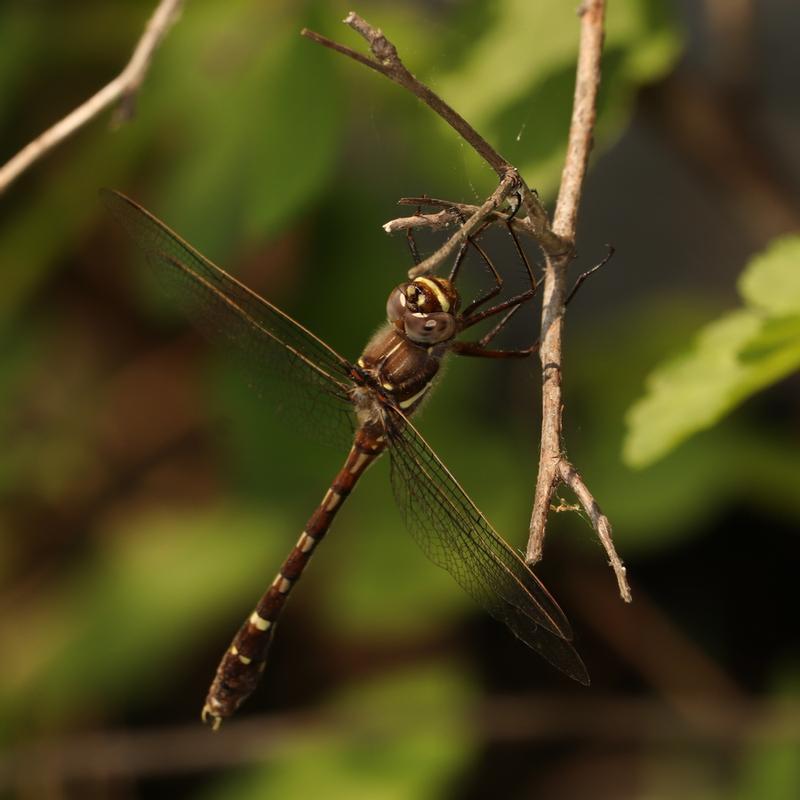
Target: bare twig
[570,476]
[387,61]
[508,184]
[122,89]
[554,468]
[436,222]
[451,214]
[581,129]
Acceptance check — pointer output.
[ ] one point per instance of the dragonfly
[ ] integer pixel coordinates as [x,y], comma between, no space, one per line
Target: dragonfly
[372,400]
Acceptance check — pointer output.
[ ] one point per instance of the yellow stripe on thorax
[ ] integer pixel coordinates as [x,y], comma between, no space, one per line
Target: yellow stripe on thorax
[444,303]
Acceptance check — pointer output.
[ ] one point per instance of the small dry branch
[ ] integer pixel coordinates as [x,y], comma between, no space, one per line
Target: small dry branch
[556,242]
[121,90]
[554,467]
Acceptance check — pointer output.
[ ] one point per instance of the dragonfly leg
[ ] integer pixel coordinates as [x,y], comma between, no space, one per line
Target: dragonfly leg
[474,349]
[480,350]
[584,275]
[516,300]
[412,244]
[493,291]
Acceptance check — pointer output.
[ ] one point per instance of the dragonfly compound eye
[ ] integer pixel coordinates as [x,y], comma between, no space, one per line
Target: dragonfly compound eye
[429,328]
[396,305]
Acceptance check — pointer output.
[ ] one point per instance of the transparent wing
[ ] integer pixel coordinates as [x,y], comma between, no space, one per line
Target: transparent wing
[457,537]
[296,372]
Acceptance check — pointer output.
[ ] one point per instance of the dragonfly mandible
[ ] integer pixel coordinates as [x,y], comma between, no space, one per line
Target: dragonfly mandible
[376,396]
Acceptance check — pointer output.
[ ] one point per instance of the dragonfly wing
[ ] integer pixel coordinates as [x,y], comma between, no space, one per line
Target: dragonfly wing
[296,371]
[457,537]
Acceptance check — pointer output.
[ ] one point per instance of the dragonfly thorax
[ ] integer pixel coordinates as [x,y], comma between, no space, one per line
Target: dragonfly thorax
[424,310]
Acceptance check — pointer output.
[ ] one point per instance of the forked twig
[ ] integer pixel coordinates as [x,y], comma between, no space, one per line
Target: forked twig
[556,242]
[122,89]
[386,60]
[554,466]
[571,477]
[509,184]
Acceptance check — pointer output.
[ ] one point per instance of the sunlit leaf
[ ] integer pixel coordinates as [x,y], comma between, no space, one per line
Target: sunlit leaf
[771,281]
[739,354]
[678,495]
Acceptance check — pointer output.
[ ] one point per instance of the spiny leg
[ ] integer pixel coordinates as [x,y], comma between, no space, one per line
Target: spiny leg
[584,275]
[519,299]
[417,258]
[520,252]
[498,281]
[469,311]
[412,244]
[478,348]
[494,291]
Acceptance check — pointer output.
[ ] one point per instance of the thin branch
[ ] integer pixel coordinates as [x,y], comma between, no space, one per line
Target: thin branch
[436,222]
[554,468]
[508,184]
[451,214]
[387,61]
[571,477]
[122,89]
[584,113]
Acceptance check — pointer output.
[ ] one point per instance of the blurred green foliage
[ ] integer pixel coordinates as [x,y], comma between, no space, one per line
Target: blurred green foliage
[361,756]
[136,607]
[731,359]
[280,160]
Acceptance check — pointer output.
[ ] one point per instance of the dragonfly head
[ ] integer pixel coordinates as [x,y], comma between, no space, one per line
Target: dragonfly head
[424,309]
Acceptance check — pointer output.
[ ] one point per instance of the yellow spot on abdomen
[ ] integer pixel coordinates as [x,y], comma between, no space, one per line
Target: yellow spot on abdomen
[332,499]
[259,622]
[305,542]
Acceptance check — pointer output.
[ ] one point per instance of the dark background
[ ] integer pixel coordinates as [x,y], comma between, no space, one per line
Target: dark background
[147,496]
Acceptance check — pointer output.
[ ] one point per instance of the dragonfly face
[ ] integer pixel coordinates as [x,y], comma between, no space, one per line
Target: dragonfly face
[425,310]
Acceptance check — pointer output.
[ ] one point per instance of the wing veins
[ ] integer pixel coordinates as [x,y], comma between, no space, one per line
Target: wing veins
[243,314]
[462,514]
[199,263]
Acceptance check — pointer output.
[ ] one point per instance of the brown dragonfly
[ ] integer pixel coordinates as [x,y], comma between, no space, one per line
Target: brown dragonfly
[372,400]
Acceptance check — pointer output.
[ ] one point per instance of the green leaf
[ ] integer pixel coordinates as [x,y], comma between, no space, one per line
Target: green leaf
[771,281]
[732,358]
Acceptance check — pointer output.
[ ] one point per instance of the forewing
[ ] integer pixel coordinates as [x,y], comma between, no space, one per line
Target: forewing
[294,370]
[457,537]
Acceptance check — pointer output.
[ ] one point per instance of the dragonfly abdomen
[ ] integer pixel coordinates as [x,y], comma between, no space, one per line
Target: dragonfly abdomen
[244,661]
